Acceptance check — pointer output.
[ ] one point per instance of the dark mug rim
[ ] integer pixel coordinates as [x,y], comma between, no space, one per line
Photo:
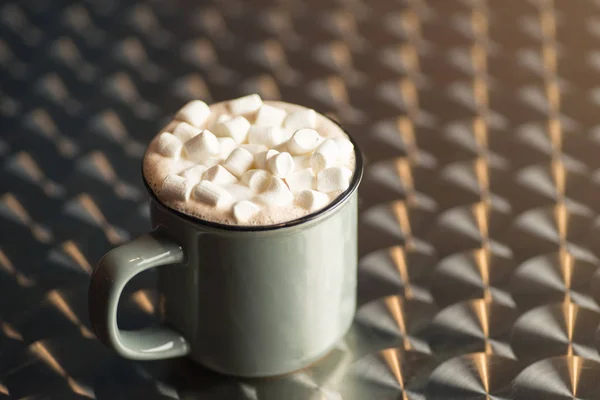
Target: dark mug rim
[337,202]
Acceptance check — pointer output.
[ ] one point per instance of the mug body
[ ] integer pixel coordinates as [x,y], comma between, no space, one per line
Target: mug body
[261,302]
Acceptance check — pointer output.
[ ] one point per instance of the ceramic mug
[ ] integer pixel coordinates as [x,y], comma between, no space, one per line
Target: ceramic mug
[248,301]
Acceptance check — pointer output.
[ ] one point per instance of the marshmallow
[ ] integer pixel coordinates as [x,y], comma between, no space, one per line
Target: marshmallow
[301,180]
[194,174]
[312,200]
[239,192]
[184,131]
[301,119]
[269,115]
[180,165]
[303,141]
[201,146]
[302,161]
[277,194]
[176,187]
[325,156]
[244,210]
[346,149]
[333,179]
[280,165]
[212,194]
[270,136]
[238,162]
[195,112]
[226,145]
[209,162]
[218,174]
[260,159]
[223,118]
[220,119]
[168,145]
[245,105]
[254,148]
[236,128]
[256,179]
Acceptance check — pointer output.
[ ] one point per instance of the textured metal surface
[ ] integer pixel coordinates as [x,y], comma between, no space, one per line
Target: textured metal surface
[479,272]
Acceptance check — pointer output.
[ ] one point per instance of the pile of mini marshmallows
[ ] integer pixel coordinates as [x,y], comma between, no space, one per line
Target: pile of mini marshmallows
[279,158]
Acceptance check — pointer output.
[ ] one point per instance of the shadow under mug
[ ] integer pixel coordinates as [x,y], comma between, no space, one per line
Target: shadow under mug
[248,301]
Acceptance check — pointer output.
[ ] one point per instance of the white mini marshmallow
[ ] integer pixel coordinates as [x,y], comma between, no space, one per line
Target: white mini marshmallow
[280,165]
[244,210]
[176,187]
[212,194]
[346,149]
[260,159]
[194,174]
[326,155]
[236,128]
[256,179]
[312,200]
[254,148]
[184,131]
[333,179]
[195,112]
[226,145]
[220,119]
[270,116]
[299,181]
[168,145]
[304,141]
[218,174]
[239,191]
[223,118]
[238,162]
[301,119]
[209,162]
[302,161]
[245,105]
[277,194]
[203,145]
[269,136]
[180,165]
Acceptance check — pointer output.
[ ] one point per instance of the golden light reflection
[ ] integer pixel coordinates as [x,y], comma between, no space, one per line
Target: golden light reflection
[399,258]
[395,306]
[570,311]
[392,360]
[481,217]
[559,175]
[73,251]
[10,332]
[92,209]
[405,126]
[143,301]
[482,367]
[561,215]
[404,170]
[9,267]
[480,308]
[566,269]
[574,364]
[59,302]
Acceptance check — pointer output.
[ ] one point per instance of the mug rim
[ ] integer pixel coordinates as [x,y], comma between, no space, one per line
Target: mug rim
[331,207]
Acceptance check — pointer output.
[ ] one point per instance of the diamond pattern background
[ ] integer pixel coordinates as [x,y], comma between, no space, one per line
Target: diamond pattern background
[479,259]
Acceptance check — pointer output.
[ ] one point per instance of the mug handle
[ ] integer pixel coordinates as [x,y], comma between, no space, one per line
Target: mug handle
[114,270]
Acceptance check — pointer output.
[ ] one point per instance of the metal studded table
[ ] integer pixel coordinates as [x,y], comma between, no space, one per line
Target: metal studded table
[478,257]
